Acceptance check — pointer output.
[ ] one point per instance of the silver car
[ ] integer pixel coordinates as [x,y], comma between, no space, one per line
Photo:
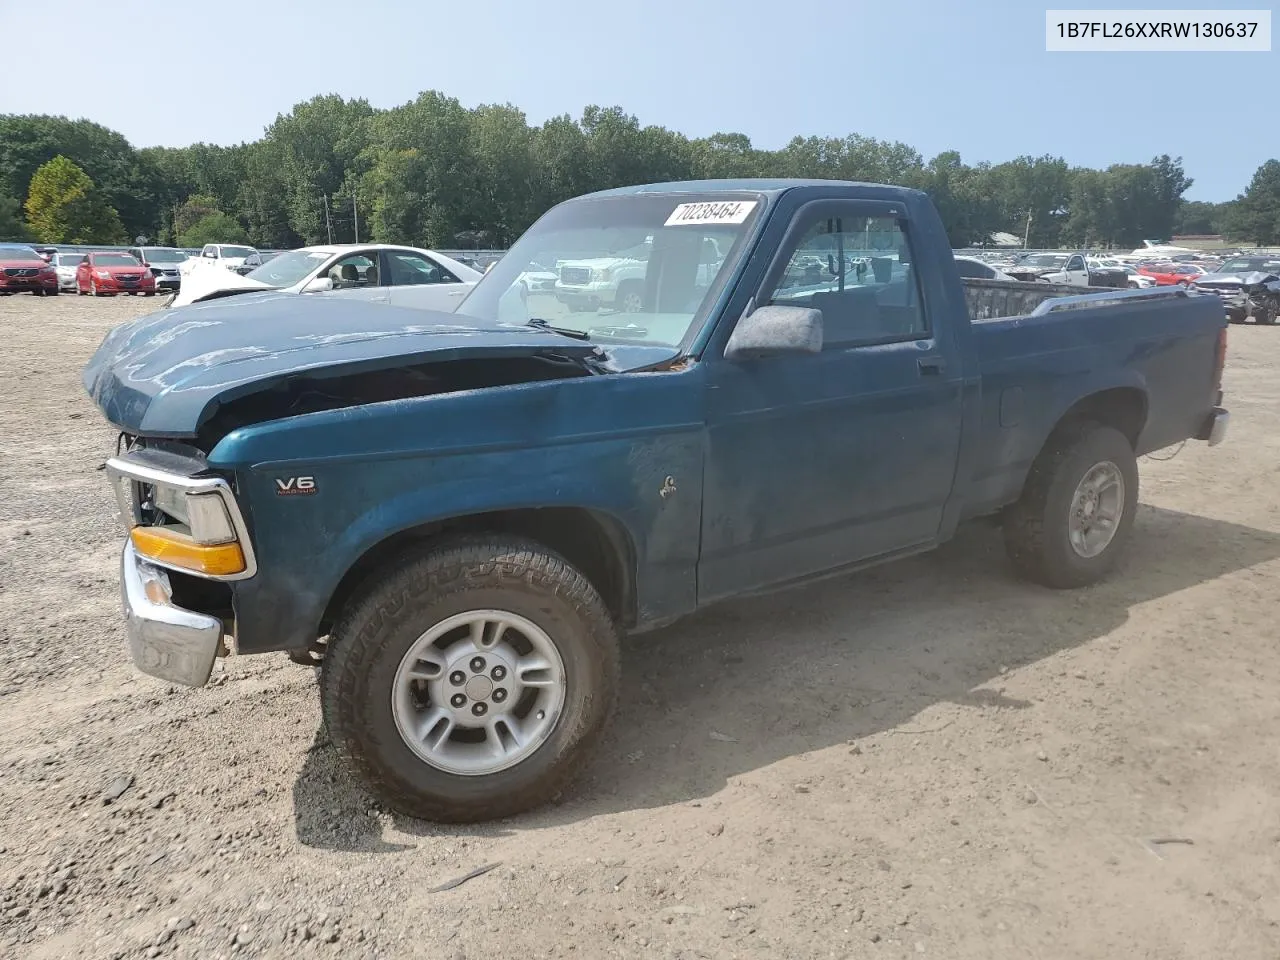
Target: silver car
[164,263]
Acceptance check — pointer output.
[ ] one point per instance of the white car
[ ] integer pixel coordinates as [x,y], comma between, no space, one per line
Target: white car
[228,256]
[64,264]
[377,272]
[980,269]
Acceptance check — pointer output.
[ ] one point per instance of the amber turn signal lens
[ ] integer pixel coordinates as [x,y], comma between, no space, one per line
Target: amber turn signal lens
[175,549]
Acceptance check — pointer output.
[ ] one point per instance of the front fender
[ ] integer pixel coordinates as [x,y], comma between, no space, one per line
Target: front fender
[576,452]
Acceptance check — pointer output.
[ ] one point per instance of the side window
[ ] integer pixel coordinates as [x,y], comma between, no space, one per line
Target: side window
[355,270]
[858,271]
[1075,263]
[410,269]
[209,251]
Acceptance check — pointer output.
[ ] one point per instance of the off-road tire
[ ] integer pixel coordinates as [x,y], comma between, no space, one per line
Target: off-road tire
[1036,528]
[398,605]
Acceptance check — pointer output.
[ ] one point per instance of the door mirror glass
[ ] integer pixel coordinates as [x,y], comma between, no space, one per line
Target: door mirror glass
[776,331]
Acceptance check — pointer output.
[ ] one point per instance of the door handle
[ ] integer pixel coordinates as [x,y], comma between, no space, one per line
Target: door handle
[931,366]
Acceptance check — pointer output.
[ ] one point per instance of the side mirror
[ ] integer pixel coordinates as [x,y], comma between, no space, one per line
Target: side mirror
[318,285]
[775,331]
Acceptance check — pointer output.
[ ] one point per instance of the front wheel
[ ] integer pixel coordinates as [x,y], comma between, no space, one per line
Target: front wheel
[1076,511]
[472,682]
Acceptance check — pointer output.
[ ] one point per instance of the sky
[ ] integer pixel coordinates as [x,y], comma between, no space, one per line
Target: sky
[935,74]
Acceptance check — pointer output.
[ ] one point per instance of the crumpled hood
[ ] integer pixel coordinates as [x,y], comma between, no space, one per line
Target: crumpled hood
[166,373]
[1240,279]
[201,283]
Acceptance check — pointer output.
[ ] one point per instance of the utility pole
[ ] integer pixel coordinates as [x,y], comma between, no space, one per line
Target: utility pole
[355,214]
[1026,237]
[328,228]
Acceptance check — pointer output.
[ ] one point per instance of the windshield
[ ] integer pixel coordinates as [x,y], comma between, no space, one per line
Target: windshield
[639,268]
[16,252]
[156,255]
[1241,265]
[288,268]
[114,260]
[1045,260]
[236,251]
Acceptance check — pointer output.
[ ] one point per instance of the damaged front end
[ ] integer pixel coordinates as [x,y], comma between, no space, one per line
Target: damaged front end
[199,372]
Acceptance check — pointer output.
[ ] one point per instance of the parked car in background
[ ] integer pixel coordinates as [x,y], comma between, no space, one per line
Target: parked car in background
[1171,274]
[64,265]
[1071,269]
[227,256]
[1246,286]
[165,264]
[46,253]
[23,270]
[975,269]
[382,273]
[1137,280]
[106,274]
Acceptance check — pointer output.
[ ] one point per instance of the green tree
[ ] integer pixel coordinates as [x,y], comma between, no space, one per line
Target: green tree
[28,142]
[1257,214]
[217,227]
[12,226]
[1198,217]
[191,211]
[63,206]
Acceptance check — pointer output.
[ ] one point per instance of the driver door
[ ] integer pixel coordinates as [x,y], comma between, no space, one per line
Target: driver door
[820,461]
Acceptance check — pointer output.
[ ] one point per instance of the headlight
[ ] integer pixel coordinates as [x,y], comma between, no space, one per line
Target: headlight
[203,513]
[604,273]
[102,274]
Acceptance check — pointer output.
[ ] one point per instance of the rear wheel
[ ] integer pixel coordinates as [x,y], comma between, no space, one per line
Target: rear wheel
[473,682]
[1076,511]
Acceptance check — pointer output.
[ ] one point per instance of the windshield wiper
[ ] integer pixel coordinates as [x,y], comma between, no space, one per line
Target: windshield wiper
[563,331]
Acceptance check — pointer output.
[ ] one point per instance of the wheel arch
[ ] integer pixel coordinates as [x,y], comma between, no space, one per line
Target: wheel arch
[596,543]
[1123,407]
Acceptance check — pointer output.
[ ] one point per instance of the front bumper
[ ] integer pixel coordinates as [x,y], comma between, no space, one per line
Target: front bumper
[1214,428]
[165,641]
[27,284]
[115,286]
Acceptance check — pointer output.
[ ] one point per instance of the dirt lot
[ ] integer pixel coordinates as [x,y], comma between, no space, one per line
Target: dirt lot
[930,759]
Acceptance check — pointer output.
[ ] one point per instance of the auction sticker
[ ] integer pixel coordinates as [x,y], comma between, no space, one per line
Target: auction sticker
[722,211]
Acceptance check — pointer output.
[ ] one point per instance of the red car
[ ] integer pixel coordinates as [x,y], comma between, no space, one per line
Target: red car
[24,270]
[106,274]
[1171,274]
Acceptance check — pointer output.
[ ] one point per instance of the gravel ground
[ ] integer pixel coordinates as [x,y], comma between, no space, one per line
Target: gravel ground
[927,759]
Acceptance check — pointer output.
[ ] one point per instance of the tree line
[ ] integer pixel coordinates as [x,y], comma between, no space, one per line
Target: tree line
[437,174]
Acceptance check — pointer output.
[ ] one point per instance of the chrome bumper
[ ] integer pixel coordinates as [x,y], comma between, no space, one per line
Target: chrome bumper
[165,641]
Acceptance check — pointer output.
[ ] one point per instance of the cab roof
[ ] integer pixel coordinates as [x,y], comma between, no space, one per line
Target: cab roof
[765,185]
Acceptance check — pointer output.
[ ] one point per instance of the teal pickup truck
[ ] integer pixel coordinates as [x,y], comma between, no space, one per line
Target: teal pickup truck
[457,516]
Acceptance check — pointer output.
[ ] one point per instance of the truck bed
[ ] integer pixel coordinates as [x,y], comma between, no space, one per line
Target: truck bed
[994,299]
[1037,349]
